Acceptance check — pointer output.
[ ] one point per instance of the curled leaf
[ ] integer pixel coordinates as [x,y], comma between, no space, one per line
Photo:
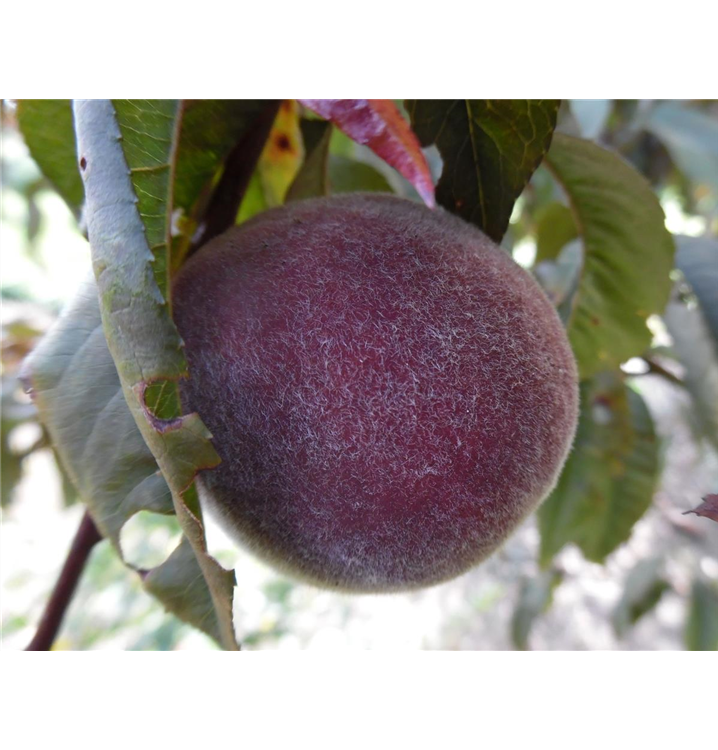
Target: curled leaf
[77,392]
[130,239]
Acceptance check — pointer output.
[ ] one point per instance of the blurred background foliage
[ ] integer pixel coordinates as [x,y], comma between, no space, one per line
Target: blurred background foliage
[655,585]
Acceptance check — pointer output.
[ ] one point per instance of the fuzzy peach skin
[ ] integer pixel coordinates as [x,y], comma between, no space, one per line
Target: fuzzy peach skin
[389,392]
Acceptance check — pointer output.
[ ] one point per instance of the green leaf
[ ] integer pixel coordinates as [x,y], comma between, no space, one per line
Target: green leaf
[555,228]
[149,134]
[74,384]
[697,259]
[254,200]
[608,481]
[691,138]
[178,149]
[282,155]
[490,148]
[645,585]
[47,127]
[351,176]
[559,278]
[313,178]
[628,253]
[77,392]
[535,598]
[702,643]
[179,584]
[128,231]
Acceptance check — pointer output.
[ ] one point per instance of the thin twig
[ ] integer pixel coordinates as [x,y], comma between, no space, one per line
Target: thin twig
[655,369]
[37,654]
[86,538]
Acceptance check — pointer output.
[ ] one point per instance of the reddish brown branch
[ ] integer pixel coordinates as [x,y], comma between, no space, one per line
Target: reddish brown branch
[238,169]
[37,655]
[85,539]
[655,369]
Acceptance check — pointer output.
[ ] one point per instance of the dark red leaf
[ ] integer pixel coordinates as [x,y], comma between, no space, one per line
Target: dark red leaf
[378,124]
[708,508]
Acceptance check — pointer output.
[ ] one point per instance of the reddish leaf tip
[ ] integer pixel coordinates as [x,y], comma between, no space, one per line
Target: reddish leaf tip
[378,124]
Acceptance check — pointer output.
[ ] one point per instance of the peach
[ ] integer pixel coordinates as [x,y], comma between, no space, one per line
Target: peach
[389,392]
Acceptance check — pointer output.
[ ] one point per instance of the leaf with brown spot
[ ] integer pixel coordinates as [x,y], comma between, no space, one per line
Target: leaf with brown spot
[378,124]
[707,509]
[278,165]
[282,155]
[128,233]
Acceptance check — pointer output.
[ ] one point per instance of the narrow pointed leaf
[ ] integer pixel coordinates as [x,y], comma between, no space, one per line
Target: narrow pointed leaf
[490,148]
[278,165]
[282,155]
[312,179]
[701,632]
[378,124]
[628,253]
